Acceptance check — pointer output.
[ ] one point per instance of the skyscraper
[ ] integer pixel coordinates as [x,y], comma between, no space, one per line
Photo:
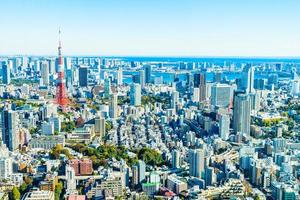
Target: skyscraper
[70,179]
[200,82]
[221,95]
[83,76]
[100,126]
[241,114]
[135,94]
[107,87]
[5,73]
[248,79]
[196,161]
[10,130]
[113,107]
[174,99]
[45,73]
[119,77]
[175,159]
[142,78]
[148,72]
[224,124]
[141,170]
[135,175]
[6,167]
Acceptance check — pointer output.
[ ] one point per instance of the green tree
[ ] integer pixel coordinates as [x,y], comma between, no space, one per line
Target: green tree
[15,194]
[58,190]
[57,150]
[108,126]
[23,188]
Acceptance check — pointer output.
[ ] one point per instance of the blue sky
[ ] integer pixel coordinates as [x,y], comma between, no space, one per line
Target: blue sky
[151,27]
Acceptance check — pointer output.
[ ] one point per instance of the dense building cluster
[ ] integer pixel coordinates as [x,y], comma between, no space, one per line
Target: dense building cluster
[138,128]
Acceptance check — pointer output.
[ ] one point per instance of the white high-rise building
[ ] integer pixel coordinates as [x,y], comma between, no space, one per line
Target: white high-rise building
[295,87]
[174,99]
[56,122]
[142,78]
[113,107]
[248,79]
[175,159]
[45,73]
[5,168]
[196,94]
[70,178]
[224,125]
[47,128]
[120,77]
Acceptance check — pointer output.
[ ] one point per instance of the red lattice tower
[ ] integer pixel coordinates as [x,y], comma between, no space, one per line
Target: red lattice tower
[61,95]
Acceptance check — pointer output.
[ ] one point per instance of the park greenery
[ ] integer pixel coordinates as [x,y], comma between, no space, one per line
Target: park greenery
[271,122]
[153,99]
[108,126]
[68,126]
[15,194]
[58,190]
[57,150]
[33,130]
[103,153]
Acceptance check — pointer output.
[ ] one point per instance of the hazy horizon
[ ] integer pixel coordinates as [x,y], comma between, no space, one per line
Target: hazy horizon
[190,28]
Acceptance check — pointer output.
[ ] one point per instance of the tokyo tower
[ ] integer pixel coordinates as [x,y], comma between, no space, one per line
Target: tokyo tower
[61,95]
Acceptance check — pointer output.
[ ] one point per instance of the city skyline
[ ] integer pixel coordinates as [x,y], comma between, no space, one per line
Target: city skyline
[170,29]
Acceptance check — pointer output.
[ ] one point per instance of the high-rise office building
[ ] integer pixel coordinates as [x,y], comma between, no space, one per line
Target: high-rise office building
[175,159]
[135,175]
[273,79]
[142,78]
[5,73]
[45,73]
[135,94]
[241,114]
[259,84]
[83,76]
[221,95]
[70,77]
[120,77]
[200,82]
[217,77]
[51,66]
[107,87]
[196,161]
[100,126]
[70,179]
[174,99]
[247,81]
[210,176]
[141,170]
[113,106]
[6,167]
[255,101]
[10,131]
[224,124]
[196,93]
[67,63]
[148,72]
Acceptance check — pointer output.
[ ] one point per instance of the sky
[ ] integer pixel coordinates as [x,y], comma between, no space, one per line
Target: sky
[196,28]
